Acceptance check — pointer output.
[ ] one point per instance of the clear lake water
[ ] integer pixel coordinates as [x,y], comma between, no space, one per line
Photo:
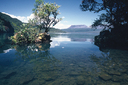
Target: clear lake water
[70,59]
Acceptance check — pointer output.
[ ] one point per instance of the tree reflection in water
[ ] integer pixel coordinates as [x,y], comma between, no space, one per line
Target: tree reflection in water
[32,51]
[45,66]
[4,41]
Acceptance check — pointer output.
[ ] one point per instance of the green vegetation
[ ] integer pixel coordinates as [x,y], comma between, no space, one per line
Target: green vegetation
[8,24]
[32,35]
[32,31]
[24,36]
[115,14]
[45,15]
[4,41]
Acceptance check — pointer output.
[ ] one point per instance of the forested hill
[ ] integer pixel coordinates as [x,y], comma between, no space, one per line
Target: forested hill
[8,24]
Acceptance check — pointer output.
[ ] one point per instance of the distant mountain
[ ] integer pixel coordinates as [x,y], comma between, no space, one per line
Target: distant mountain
[9,24]
[81,28]
[78,26]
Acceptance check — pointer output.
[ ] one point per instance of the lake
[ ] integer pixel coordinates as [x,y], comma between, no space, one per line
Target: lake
[70,59]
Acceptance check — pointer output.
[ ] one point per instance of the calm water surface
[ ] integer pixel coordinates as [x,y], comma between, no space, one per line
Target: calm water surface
[71,59]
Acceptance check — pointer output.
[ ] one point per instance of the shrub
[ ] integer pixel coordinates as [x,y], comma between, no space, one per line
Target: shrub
[25,36]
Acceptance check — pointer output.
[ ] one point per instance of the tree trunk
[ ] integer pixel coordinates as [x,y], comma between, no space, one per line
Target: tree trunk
[46,30]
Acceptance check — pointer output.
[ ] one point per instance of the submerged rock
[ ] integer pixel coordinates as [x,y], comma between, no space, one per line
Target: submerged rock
[73,74]
[105,76]
[26,79]
[80,80]
[116,78]
[9,75]
[112,72]
[47,78]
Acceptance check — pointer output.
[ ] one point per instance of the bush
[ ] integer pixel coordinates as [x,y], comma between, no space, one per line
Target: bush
[25,36]
[30,35]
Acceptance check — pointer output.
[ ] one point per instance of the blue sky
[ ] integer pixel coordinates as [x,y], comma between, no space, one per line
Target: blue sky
[70,11]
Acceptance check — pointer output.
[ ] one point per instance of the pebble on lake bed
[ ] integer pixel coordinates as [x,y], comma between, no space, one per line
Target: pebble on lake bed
[105,76]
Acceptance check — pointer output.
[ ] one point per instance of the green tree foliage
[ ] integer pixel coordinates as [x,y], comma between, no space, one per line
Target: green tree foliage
[24,36]
[115,15]
[8,24]
[2,28]
[45,15]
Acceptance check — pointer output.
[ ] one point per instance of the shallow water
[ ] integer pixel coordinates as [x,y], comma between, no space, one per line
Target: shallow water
[70,59]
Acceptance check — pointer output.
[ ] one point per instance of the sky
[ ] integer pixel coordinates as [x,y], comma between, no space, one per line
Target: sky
[70,11]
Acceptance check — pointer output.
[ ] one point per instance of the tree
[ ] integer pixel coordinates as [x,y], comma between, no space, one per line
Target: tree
[45,15]
[115,15]
[115,18]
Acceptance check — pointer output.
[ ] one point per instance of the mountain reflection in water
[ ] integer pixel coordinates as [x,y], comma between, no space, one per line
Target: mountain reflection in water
[70,59]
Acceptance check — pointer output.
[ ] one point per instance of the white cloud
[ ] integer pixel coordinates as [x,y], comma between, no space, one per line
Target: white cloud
[58,40]
[25,19]
[61,26]
[30,17]
[21,18]
[63,17]
[65,21]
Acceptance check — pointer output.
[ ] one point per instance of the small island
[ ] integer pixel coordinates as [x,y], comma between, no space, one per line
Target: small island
[36,31]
